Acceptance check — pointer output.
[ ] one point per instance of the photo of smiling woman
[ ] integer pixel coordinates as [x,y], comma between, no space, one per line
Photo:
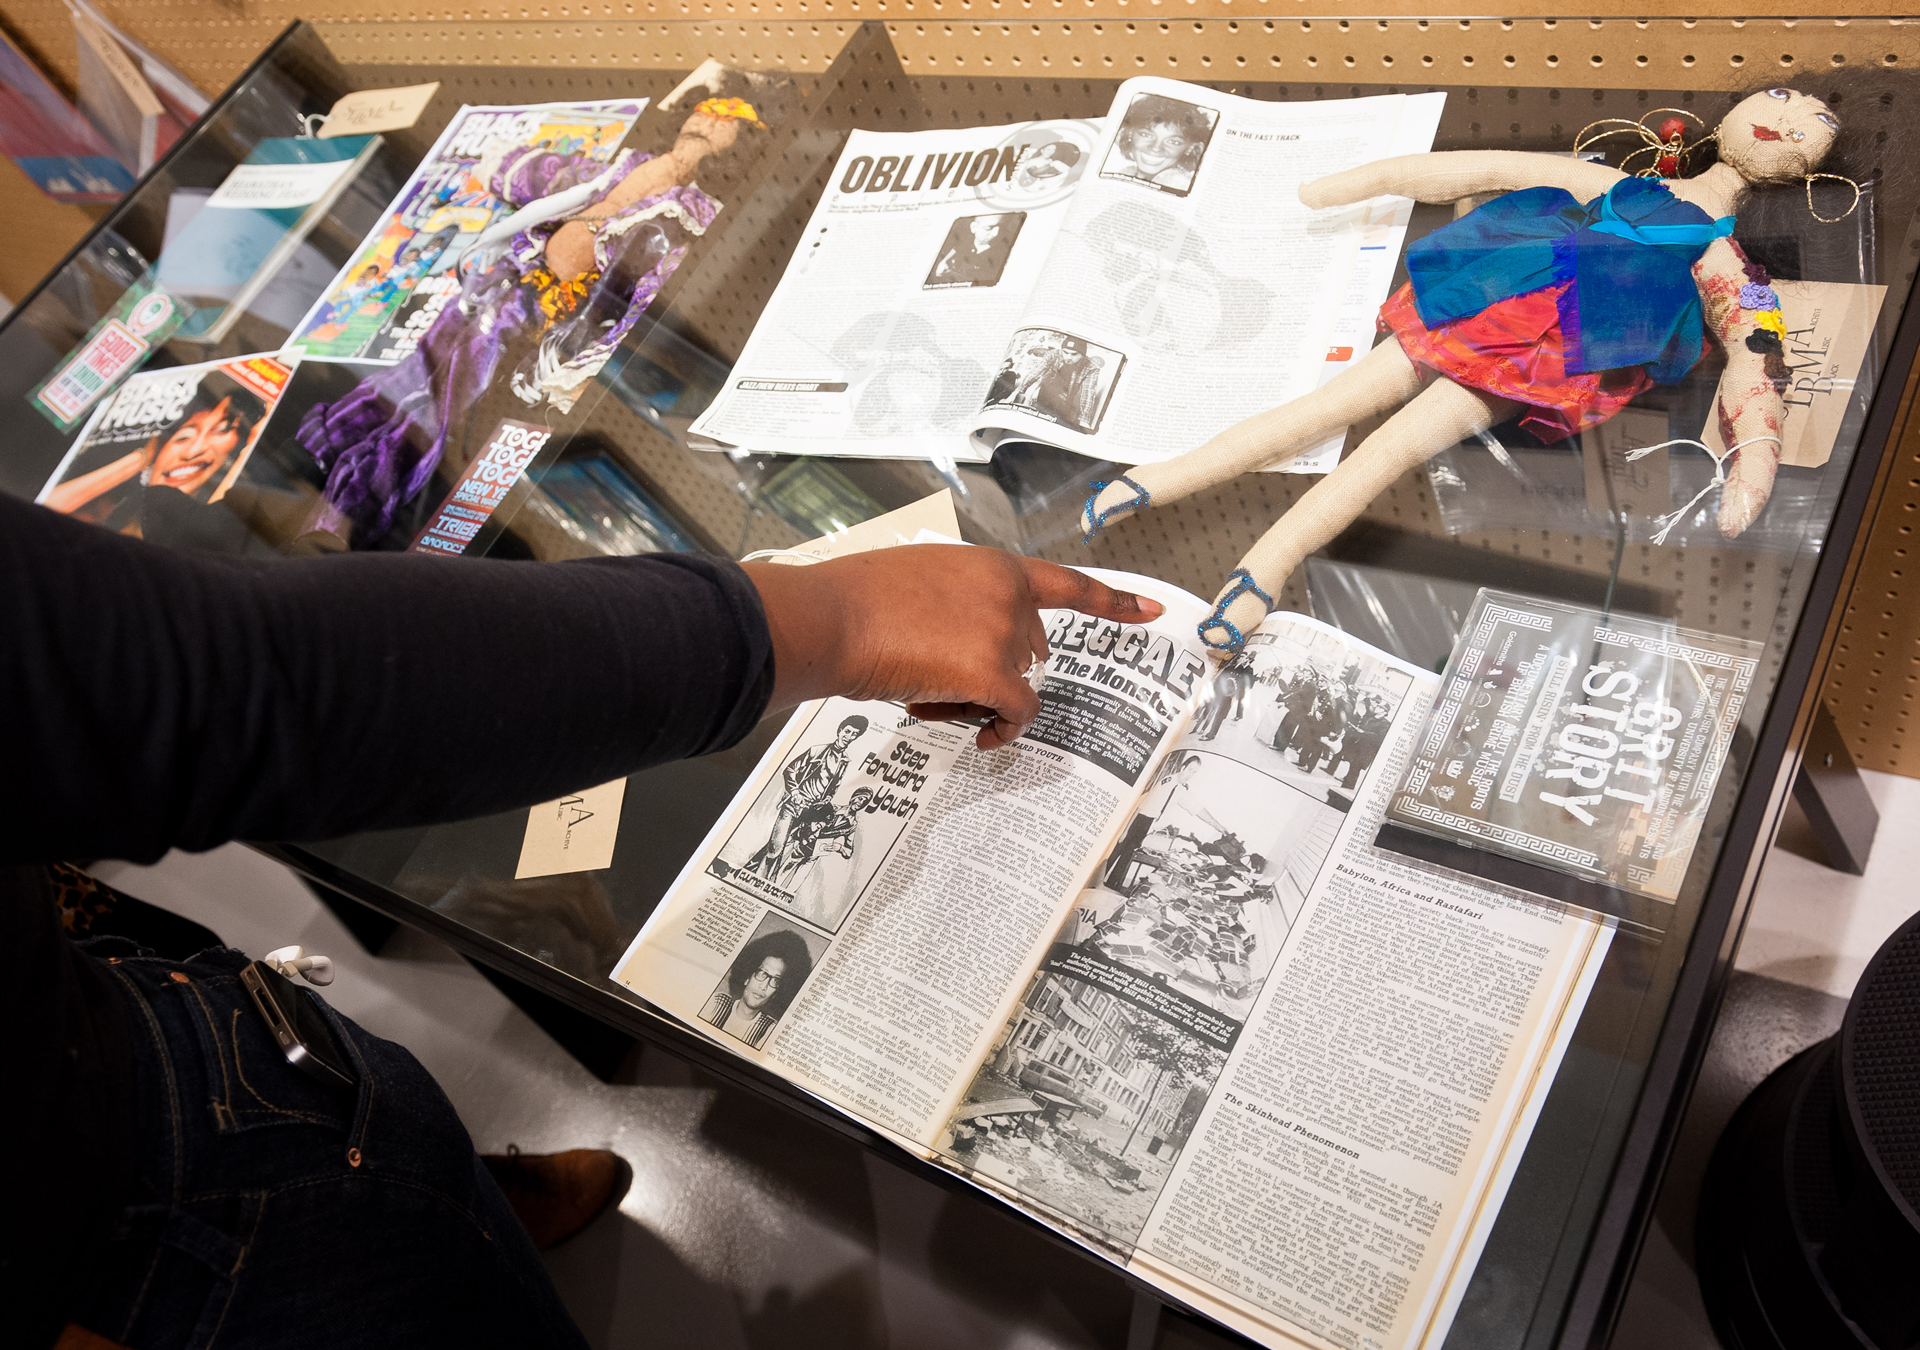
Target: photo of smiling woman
[185,430]
[762,981]
[1160,143]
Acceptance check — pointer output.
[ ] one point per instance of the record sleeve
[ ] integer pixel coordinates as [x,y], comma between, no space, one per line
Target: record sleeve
[441,210]
[1579,742]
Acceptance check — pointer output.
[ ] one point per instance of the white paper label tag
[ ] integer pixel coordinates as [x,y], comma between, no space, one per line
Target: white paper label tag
[575,833]
[272,187]
[378,110]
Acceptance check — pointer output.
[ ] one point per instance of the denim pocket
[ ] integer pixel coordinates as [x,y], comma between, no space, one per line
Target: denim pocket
[249,1082]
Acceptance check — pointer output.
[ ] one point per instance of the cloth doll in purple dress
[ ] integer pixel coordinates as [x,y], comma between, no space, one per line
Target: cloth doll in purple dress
[585,252]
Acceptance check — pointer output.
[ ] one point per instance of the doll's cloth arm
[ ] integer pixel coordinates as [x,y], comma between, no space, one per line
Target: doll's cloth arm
[529,176]
[1449,175]
[543,187]
[1749,404]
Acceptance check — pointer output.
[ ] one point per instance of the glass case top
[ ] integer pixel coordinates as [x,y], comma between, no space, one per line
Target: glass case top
[507,328]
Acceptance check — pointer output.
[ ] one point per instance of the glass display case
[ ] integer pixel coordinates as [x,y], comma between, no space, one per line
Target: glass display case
[600,460]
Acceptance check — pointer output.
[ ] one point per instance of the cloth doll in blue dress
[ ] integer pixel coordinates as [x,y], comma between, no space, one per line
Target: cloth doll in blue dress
[1556,302]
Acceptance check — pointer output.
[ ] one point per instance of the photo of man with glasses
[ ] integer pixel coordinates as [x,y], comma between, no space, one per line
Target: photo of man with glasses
[760,984]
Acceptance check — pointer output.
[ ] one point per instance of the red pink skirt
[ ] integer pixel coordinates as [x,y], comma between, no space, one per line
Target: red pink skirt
[1514,349]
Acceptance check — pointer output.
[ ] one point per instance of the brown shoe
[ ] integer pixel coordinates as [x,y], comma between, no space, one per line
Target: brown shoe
[555,1195]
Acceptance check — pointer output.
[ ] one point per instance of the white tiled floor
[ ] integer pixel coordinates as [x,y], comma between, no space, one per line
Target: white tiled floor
[1815,927]
[746,1228]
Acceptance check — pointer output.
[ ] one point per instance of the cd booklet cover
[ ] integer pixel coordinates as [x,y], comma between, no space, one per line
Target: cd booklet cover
[1577,743]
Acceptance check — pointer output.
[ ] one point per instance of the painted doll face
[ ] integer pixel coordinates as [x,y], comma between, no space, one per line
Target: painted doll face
[1777,135]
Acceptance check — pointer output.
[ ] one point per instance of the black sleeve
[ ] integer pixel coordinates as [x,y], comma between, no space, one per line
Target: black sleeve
[151,699]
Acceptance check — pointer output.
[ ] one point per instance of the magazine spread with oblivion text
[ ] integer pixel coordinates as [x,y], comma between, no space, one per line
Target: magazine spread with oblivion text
[1143,974]
[1110,286]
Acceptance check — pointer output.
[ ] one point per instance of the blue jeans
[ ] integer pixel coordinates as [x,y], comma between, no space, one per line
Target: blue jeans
[274,1211]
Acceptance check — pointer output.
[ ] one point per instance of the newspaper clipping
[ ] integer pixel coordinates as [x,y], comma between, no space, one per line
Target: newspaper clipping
[1144,975]
[856,359]
[1166,261]
[1096,1084]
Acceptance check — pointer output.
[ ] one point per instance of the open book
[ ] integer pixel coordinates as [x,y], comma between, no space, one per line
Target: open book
[1142,974]
[1123,287]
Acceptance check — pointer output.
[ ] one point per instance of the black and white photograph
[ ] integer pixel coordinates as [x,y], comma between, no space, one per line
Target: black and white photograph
[1047,165]
[1304,709]
[822,826]
[762,980]
[1160,143]
[1084,1104]
[1058,376]
[975,251]
[1207,880]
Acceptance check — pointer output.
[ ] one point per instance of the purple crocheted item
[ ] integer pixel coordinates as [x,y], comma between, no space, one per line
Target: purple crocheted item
[1758,297]
[379,446]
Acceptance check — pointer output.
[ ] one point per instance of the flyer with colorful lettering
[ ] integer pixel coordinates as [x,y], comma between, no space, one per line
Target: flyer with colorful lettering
[482,487]
[1580,741]
[140,321]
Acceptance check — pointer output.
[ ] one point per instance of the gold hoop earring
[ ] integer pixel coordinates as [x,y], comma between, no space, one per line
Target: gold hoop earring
[1838,178]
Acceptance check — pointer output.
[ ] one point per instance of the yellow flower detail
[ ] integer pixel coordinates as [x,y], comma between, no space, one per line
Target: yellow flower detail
[1773,322]
[558,298]
[728,107]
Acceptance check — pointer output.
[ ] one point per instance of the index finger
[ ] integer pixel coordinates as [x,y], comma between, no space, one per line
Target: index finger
[1056,587]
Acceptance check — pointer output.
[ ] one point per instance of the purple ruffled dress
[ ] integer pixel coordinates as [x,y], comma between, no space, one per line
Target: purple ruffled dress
[381,443]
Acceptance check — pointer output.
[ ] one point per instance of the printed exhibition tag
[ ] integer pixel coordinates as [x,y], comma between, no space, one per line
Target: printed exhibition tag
[575,833]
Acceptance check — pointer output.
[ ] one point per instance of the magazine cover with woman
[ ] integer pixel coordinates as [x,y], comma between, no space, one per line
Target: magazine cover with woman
[168,442]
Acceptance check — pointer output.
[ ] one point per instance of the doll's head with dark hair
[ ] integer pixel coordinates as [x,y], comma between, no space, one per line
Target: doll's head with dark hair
[1876,111]
[769,972]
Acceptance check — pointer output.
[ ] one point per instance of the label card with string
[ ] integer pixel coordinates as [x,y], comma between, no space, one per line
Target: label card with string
[367,110]
[1830,328]
[1621,487]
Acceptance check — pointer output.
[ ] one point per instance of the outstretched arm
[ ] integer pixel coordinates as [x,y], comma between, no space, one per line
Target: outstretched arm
[1750,406]
[152,698]
[1449,175]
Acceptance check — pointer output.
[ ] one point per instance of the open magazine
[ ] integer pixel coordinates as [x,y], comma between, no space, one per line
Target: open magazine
[1141,972]
[1124,287]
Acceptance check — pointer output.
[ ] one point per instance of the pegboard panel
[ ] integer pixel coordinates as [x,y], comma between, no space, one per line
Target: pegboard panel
[212,40]
[1873,682]
[1582,53]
